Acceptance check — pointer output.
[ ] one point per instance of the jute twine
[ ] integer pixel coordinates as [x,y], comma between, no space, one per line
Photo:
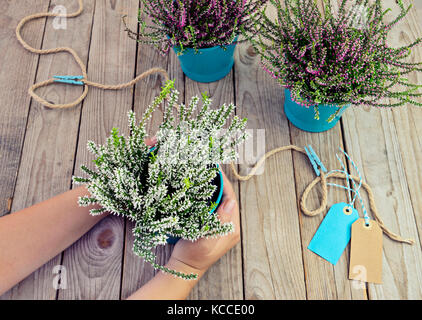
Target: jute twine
[321,179]
[78,60]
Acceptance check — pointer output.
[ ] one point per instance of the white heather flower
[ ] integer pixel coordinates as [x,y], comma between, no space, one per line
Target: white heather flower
[167,191]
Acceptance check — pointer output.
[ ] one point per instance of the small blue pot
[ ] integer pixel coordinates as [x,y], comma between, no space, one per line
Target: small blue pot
[304,117]
[207,65]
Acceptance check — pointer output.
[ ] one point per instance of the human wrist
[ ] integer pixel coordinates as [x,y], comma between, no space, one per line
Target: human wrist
[83,191]
[165,286]
[180,266]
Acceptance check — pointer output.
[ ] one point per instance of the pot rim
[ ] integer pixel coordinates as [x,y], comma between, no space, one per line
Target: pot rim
[178,49]
[330,104]
[220,194]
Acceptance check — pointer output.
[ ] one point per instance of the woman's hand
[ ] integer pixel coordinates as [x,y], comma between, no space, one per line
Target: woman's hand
[194,257]
[198,256]
[203,253]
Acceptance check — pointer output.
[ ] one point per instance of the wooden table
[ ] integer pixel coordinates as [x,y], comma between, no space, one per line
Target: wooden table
[40,150]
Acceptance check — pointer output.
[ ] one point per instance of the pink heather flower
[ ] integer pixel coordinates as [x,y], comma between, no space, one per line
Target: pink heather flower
[183,19]
[314,54]
[215,22]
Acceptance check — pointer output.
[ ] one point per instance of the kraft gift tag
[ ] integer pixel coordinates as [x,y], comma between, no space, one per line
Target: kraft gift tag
[366,252]
[333,234]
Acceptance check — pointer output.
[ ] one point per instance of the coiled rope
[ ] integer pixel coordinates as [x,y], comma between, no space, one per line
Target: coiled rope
[86,82]
[322,179]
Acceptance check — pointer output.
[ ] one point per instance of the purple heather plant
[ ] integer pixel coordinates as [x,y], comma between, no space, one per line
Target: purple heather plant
[195,24]
[339,58]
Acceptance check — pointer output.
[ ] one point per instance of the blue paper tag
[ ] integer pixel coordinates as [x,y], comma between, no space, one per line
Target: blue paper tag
[333,234]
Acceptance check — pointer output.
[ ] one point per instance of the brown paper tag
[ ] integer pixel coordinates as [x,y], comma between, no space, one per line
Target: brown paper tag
[366,252]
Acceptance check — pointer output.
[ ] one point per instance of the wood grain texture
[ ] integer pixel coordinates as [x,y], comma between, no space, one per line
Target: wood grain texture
[323,280]
[94,262]
[18,70]
[372,139]
[49,149]
[136,271]
[372,142]
[409,143]
[40,149]
[272,255]
[407,120]
[224,279]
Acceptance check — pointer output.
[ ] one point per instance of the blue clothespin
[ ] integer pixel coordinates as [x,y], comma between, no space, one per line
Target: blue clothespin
[69,79]
[315,161]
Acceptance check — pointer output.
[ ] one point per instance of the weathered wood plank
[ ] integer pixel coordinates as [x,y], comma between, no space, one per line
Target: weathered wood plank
[277,263]
[323,280]
[94,262]
[136,272]
[224,279]
[272,255]
[384,143]
[383,170]
[406,120]
[18,70]
[315,290]
[50,141]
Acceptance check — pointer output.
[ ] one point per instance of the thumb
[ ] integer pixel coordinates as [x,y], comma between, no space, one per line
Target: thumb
[151,141]
[226,210]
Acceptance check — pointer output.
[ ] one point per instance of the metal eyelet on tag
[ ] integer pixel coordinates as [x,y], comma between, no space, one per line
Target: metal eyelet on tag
[366,252]
[333,234]
[347,210]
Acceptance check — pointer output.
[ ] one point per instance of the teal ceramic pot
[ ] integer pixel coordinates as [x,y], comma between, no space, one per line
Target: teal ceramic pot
[207,65]
[304,117]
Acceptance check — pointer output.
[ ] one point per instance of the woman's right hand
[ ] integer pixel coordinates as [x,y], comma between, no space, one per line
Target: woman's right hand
[198,256]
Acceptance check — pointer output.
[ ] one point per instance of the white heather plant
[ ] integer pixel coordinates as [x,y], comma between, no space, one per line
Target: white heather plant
[168,191]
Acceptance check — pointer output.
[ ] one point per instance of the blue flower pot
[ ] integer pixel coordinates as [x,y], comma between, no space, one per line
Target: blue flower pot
[304,117]
[172,240]
[218,181]
[207,65]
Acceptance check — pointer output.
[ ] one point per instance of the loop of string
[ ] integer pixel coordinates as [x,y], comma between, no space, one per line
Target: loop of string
[322,179]
[86,82]
[353,188]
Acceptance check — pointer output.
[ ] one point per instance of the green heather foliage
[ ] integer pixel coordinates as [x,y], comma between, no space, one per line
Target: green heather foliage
[338,58]
[166,192]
